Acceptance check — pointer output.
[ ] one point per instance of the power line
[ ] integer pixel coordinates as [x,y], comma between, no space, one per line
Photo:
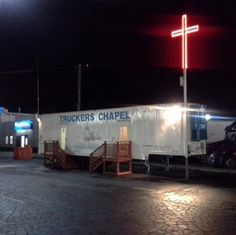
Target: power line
[9,72]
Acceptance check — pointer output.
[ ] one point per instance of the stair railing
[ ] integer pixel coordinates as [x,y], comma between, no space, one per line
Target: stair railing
[96,157]
[50,151]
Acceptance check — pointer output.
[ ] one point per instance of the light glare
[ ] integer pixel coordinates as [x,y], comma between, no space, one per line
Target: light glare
[207,117]
[172,116]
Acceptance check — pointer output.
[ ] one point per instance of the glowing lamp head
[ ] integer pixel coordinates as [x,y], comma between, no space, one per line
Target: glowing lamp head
[207,117]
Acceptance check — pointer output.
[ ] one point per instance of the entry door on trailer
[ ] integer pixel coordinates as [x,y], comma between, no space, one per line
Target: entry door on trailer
[63,138]
[124,135]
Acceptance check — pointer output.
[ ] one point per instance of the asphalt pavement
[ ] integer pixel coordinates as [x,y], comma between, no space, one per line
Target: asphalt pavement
[39,200]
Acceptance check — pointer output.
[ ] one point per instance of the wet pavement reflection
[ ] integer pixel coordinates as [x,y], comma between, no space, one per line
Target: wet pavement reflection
[38,200]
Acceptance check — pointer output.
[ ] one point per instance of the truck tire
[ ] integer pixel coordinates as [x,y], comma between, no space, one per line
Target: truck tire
[211,160]
[230,163]
[233,137]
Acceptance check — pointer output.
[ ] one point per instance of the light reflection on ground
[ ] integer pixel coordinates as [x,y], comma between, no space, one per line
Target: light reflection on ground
[179,198]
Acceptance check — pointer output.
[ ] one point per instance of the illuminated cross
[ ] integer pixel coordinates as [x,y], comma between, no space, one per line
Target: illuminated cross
[183,32]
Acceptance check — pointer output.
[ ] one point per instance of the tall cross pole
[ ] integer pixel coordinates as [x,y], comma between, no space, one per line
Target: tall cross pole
[183,32]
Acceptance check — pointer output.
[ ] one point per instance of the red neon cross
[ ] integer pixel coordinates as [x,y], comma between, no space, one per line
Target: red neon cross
[183,32]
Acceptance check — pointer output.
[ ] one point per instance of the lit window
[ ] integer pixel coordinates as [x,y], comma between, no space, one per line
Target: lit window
[11,139]
[26,141]
[6,139]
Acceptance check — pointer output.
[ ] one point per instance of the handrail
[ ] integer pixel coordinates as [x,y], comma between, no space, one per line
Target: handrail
[60,155]
[101,147]
[113,149]
[96,157]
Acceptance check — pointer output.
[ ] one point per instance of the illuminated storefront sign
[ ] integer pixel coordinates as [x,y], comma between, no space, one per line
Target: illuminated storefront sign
[22,126]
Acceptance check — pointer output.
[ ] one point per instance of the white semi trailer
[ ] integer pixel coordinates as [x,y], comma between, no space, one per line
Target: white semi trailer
[153,129]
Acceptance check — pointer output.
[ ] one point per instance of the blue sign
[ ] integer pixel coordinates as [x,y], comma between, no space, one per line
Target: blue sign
[23,125]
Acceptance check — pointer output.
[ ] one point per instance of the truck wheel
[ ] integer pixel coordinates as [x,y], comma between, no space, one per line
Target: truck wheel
[211,161]
[230,163]
[233,138]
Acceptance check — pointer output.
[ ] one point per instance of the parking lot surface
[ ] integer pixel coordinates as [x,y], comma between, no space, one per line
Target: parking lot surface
[38,200]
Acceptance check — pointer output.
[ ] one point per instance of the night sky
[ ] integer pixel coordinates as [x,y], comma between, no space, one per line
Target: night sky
[125,47]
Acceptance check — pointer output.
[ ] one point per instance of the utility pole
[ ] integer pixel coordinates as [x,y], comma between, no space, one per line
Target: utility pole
[79,67]
[37,87]
[183,32]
